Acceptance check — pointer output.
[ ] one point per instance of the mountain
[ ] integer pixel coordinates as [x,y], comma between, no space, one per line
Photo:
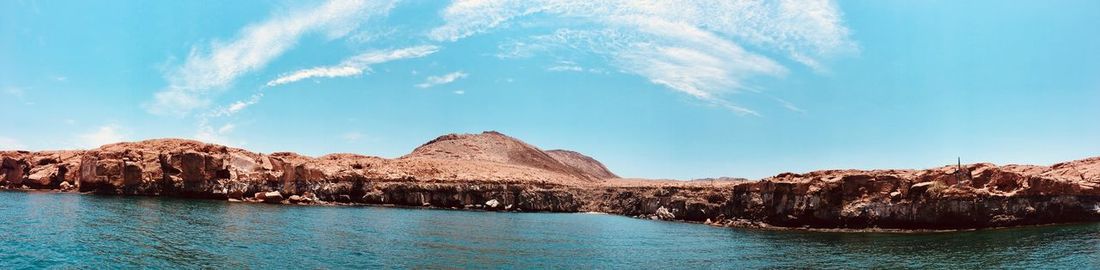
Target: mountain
[494,147]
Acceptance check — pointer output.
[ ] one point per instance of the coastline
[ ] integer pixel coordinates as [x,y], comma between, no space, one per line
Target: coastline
[494,172]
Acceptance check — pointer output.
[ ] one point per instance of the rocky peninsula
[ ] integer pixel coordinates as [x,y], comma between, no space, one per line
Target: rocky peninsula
[494,172]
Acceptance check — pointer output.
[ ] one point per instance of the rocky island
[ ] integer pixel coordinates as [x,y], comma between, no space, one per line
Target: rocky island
[494,172]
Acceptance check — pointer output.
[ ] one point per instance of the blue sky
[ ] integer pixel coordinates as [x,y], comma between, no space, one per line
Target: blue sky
[669,89]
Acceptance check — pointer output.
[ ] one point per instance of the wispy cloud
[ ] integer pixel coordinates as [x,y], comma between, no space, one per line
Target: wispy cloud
[351,136]
[205,72]
[790,106]
[241,104]
[14,92]
[216,134]
[691,46]
[355,65]
[226,128]
[106,134]
[317,72]
[234,107]
[18,94]
[570,66]
[444,79]
[352,66]
[7,143]
[565,68]
[468,17]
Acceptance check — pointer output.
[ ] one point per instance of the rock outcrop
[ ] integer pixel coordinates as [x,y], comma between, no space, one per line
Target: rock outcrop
[491,171]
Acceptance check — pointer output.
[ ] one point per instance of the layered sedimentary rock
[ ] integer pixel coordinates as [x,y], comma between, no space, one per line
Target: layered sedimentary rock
[492,171]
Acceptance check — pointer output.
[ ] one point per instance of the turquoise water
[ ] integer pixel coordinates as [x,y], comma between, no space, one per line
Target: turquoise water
[46,230]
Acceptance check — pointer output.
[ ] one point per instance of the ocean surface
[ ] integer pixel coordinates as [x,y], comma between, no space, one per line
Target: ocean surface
[49,230]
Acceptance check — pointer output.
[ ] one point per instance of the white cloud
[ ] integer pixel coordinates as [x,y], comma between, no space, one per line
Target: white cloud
[226,128]
[11,144]
[352,66]
[804,27]
[352,136]
[240,105]
[459,92]
[355,65]
[674,55]
[233,108]
[444,79]
[566,68]
[220,135]
[106,134]
[468,17]
[15,91]
[18,94]
[205,72]
[317,72]
[790,106]
[570,66]
[691,46]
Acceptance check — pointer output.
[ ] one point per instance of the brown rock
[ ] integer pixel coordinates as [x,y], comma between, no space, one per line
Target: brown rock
[269,197]
[299,199]
[12,171]
[43,176]
[492,204]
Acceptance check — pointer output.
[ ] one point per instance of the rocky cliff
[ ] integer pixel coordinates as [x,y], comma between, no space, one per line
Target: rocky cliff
[491,171]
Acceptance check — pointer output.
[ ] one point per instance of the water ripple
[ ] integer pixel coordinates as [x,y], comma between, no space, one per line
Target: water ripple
[40,230]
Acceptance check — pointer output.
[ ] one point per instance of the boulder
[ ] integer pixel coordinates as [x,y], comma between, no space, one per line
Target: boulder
[492,203]
[269,197]
[663,214]
[309,196]
[235,194]
[344,198]
[921,188]
[42,176]
[300,199]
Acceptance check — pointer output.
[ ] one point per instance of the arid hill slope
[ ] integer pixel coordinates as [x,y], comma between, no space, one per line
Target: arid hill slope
[582,163]
[493,147]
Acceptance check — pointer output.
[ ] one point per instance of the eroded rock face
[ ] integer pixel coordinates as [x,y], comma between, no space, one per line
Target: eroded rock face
[491,171]
[13,170]
[978,195]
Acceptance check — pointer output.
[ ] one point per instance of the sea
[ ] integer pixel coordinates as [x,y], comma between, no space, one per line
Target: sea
[75,231]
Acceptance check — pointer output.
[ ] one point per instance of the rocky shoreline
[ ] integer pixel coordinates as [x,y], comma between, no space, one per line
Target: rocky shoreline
[494,172]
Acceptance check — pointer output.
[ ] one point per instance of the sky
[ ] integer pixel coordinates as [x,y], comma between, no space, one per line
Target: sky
[653,89]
